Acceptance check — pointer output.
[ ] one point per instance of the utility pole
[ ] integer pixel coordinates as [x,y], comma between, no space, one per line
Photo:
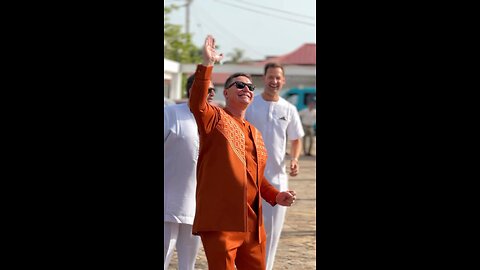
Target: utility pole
[187,16]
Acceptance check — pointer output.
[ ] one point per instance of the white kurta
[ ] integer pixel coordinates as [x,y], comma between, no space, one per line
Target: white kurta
[276,120]
[181,148]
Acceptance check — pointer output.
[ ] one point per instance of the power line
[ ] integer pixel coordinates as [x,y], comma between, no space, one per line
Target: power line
[278,10]
[212,22]
[271,15]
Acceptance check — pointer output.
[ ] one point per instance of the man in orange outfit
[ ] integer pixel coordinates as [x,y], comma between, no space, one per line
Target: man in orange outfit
[230,173]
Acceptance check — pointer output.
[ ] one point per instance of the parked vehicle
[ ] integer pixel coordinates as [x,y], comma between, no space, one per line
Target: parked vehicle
[300,96]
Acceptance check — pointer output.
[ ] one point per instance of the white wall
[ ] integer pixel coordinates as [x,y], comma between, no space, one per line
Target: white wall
[172,73]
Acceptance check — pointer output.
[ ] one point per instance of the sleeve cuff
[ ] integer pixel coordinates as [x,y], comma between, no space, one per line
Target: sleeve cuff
[203,73]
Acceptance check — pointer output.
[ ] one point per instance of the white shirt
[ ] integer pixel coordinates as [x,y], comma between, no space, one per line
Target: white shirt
[181,147]
[275,120]
[308,117]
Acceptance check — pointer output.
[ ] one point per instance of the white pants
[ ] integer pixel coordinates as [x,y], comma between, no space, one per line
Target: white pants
[273,218]
[180,236]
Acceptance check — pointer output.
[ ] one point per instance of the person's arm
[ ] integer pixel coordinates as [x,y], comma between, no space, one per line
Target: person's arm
[202,111]
[269,192]
[295,149]
[295,132]
[271,195]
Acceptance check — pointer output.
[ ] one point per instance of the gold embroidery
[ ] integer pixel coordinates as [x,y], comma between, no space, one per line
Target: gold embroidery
[234,135]
[260,145]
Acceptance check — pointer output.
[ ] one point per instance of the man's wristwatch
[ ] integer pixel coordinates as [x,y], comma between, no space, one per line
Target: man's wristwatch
[296,159]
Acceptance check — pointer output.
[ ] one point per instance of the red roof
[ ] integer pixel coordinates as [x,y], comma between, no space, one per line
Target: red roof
[304,55]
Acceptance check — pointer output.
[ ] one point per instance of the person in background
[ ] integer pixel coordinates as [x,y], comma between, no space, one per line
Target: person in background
[308,116]
[181,147]
[277,120]
[230,173]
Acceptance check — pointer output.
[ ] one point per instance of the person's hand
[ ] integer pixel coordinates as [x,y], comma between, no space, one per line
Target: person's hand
[210,55]
[286,198]
[294,167]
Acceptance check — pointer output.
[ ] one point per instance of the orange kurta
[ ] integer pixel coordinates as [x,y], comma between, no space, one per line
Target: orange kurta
[230,169]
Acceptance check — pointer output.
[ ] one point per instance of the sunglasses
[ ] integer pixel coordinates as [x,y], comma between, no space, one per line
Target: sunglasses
[211,90]
[241,85]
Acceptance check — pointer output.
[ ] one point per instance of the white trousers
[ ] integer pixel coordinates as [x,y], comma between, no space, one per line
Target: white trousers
[180,236]
[273,218]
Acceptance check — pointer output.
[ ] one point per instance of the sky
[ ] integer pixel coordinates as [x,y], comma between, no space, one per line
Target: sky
[260,28]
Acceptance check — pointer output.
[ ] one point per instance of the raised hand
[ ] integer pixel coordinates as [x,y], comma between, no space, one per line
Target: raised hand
[286,198]
[210,55]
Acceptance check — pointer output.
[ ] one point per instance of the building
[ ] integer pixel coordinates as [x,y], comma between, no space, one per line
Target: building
[300,69]
[172,79]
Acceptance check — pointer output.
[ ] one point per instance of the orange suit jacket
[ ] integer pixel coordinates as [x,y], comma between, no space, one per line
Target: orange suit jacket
[221,195]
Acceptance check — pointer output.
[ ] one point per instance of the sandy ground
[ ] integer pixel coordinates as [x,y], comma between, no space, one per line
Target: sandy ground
[297,247]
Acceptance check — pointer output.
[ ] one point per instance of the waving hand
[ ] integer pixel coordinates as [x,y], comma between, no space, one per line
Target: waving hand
[210,55]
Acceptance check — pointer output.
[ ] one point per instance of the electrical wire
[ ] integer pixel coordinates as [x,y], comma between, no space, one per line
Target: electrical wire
[271,15]
[209,19]
[276,9]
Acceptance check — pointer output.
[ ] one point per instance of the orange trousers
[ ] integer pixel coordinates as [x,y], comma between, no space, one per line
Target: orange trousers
[225,250]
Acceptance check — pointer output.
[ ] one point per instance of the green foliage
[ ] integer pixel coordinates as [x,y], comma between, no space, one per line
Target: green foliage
[178,46]
[237,56]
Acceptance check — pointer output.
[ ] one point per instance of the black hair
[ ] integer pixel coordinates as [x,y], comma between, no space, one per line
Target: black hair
[235,75]
[190,83]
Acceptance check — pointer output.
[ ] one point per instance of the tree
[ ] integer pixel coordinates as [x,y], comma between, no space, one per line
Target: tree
[236,56]
[178,46]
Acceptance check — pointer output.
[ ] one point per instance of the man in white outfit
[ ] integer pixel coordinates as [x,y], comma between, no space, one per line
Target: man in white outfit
[181,148]
[308,117]
[276,119]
